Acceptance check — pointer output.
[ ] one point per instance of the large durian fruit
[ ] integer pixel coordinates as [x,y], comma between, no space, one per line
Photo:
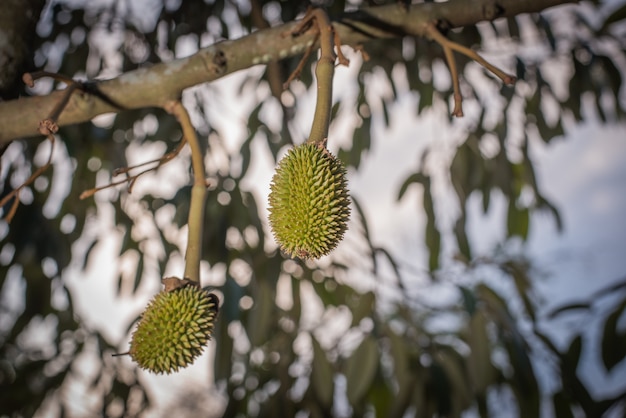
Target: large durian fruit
[174,329]
[309,204]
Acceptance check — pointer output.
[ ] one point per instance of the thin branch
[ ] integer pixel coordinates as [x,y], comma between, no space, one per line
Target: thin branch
[15,193]
[448,46]
[130,180]
[296,73]
[458,98]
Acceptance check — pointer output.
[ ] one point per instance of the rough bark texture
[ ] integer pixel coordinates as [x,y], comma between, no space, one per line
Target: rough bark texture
[156,85]
[18,20]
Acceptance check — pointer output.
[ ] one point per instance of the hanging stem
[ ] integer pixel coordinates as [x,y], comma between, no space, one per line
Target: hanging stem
[198,194]
[324,72]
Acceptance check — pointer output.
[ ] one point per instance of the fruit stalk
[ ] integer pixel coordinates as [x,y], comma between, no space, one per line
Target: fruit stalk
[324,72]
[195,220]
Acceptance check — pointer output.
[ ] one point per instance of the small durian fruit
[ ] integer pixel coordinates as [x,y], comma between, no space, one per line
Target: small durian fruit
[309,205]
[174,329]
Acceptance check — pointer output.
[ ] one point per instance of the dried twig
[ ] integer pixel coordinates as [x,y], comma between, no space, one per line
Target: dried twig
[448,46]
[130,180]
[317,20]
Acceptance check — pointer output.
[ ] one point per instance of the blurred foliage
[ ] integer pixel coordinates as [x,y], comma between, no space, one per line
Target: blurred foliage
[271,358]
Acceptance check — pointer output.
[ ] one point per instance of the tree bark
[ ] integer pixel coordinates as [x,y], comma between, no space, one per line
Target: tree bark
[154,86]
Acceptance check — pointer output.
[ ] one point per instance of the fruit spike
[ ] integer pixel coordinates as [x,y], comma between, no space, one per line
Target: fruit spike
[174,329]
[309,205]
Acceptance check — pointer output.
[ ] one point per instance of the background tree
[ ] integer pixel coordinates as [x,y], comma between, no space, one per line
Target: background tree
[370,348]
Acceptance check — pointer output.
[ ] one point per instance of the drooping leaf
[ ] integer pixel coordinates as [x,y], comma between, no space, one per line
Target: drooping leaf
[517,220]
[363,307]
[480,369]
[360,369]
[613,340]
[453,365]
[561,405]
[322,376]
[260,324]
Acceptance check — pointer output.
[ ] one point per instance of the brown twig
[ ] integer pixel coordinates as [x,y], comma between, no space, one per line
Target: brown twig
[29,78]
[296,73]
[132,179]
[448,46]
[317,20]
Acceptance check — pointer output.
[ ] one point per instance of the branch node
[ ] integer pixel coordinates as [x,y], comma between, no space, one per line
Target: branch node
[48,127]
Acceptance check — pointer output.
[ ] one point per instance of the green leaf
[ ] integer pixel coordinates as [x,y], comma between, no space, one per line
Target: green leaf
[400,354]
[439,393]
[138,273]
[469,300]
[562,408]
[364,307]
[480,369]
[260,322]
[322,375]
[385,112]
[361,142]
[572,357]
[335,110]
[524,382]
[613,341]
[381,396]
[433,236]
[366,232]
[454,366]
[427,92]
[360,370]
[523,284]
[413,178]
[461,238]
[223,362]
[517,220]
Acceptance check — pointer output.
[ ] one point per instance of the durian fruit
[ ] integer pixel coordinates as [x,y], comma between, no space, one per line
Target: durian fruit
[174,329]
[309,205]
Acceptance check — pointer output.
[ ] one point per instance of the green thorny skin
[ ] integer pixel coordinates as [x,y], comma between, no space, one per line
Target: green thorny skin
[174,329]
[309,205]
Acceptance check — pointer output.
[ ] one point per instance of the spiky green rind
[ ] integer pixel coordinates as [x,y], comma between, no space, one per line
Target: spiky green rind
[174,329]
[309,204]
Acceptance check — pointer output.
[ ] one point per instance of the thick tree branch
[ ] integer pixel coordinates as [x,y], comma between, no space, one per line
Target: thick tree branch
[155,86]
